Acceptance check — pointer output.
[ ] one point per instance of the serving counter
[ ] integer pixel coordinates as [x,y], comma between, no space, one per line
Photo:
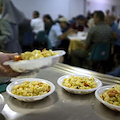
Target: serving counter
[61,105]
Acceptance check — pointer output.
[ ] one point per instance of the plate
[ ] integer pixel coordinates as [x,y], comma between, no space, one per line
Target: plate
[33,98]
[78,91]
[2,103]
[100,91]
[79,36]
[30,65]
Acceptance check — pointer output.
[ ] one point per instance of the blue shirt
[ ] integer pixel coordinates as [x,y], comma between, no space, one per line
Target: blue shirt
[54,33]
[114,27]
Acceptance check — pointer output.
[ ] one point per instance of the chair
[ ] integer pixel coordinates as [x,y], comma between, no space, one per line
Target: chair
[99,56]
[42,41]
[41,36]
[100,52]
[49,46]
[27,42]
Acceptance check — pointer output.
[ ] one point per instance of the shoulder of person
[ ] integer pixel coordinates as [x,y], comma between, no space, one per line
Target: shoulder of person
[4,22]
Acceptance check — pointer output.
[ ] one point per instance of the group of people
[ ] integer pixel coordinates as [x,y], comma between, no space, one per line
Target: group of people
[101,29]
[100,33]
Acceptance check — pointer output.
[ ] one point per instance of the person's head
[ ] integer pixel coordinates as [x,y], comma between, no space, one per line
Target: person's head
[47,18]
[98,17]
[1,6]
[63,22]
[60,16]
[107,12]
[36,14]
[80,20]
[109,20]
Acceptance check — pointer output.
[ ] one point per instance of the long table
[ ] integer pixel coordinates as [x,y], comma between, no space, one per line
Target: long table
[61,105]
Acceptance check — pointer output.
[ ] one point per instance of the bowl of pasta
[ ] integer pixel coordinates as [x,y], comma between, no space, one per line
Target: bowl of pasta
[30,89]
[79,84]
[2,103]
[110,96]
[30,61]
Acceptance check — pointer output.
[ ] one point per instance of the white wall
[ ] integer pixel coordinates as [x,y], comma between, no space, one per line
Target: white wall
[76,7]
[92,5]
[68,8]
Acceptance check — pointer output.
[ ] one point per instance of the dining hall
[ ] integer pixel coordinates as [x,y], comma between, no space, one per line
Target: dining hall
[59,59]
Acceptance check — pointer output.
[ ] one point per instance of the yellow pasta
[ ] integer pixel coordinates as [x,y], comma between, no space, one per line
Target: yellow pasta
[112,95]
[34,88]
[37,54]
[77,82]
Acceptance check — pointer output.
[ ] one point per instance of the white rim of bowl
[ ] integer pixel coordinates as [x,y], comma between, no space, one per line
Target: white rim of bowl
[101,100]
[3,101]
[65,76]
[62,52]
[35,79]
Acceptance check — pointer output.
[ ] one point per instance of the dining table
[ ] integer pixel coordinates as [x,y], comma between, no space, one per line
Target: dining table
[61,105]
[77,41]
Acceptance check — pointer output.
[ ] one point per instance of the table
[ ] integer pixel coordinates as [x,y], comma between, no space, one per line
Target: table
[77,41]
[61,105]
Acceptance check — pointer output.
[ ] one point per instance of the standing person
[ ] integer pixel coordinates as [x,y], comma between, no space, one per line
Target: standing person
[37,23]
[9,22]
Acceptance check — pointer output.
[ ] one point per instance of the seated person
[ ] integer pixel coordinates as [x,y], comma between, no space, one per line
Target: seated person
[79,25]
[58,38]
[48,22]
[100,33]
[36,23]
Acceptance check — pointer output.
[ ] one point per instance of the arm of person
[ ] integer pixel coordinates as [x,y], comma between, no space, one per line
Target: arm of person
[89,39]
[6,71]
[6,32]
[65,34]
[32,23]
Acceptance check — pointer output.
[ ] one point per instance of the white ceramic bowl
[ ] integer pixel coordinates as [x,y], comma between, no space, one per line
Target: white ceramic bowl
[30,65]
[2,103]
[77,91]
[100,91]
[29,99]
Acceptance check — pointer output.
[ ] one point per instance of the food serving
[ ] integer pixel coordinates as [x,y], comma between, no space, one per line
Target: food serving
[112,95]
[35,54]
[29,61]
[77,82]
[109,95]
[30,89]
[34,88]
